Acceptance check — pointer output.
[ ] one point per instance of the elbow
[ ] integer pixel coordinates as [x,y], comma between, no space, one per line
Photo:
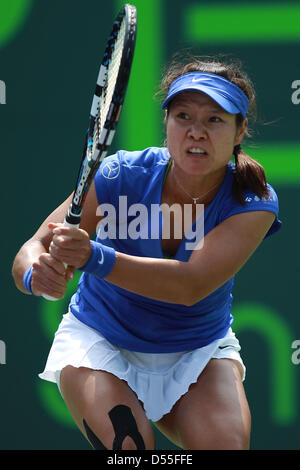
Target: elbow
[189,302]
[14,273]
[188,291]
[18,277]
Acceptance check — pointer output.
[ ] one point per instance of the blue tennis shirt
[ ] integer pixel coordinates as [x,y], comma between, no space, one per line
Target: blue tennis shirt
[140,323]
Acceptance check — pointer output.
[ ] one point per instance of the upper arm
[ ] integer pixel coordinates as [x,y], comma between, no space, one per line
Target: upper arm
[226,249]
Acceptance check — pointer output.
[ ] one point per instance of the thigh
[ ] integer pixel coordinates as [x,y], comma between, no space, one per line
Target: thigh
[106,409]
[214,413]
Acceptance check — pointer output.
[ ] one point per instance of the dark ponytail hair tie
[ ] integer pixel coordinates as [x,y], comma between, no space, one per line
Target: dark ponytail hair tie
[236,150]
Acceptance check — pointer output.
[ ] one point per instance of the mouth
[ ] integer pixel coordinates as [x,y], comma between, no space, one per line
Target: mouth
[197,152]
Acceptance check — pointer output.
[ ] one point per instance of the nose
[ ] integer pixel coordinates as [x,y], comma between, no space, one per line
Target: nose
[197,131]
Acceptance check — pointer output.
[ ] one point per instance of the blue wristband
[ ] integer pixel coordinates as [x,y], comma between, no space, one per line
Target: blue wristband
[27,279]
[101,261]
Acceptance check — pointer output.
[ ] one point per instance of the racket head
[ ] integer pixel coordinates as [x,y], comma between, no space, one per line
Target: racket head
[106,105]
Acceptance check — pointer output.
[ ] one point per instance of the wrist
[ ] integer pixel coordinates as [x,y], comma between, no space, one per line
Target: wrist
[101,261]
[27,279]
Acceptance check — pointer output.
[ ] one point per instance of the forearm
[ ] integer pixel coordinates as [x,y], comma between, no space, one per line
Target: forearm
[28,254]
[227,249]
[159,279]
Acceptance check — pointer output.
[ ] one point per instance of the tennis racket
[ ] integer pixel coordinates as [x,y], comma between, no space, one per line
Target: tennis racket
[107,102]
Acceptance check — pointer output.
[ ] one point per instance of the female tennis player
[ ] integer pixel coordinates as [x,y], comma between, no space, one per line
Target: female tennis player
[148,335]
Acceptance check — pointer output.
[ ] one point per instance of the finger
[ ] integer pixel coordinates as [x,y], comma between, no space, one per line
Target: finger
[64,241]
[53,263]
[74,233]
[69,257]
[62,246]
[60,253]
[51,268]
[53,225]
[46,275]
[73,252]
[43,284]
[39,288]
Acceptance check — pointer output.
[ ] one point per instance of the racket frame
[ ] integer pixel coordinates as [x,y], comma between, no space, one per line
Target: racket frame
[91,161]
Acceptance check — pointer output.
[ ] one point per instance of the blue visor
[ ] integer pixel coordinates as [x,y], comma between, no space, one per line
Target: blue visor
[228,95]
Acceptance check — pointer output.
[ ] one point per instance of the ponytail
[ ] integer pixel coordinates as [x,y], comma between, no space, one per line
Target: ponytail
[249,174]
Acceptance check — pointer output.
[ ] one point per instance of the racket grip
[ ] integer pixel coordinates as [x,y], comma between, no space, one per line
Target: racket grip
[48,297]
[66,224]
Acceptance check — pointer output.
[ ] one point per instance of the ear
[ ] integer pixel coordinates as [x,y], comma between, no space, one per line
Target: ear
[241,132]
[166,116]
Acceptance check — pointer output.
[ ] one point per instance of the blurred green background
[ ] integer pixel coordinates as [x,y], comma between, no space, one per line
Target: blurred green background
[49,57]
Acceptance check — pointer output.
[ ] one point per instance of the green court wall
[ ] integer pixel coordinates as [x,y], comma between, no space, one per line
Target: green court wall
[49,54]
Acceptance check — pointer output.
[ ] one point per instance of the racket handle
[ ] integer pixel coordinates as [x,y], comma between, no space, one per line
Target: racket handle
[66,224]
[48,297]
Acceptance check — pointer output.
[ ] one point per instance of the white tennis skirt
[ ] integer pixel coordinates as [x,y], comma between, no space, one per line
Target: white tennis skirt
[159,380]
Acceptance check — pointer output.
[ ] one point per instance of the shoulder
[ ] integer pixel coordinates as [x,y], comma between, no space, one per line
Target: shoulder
[250,197]
[228,205]
[132,161]
[147,158]
[129,169]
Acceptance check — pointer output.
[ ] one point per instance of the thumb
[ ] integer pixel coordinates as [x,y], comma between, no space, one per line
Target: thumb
[53,225]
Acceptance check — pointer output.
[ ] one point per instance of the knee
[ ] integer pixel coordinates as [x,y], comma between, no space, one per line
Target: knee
[218,438]
[235,433]
[235,441]
[218,443]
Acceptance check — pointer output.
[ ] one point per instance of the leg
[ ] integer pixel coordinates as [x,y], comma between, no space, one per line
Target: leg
[106,410]
[213,414]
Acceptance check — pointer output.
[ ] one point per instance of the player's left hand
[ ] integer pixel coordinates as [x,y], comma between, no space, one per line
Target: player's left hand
[70,245]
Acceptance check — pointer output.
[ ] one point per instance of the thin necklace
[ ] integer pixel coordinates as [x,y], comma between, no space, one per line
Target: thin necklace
[195,199]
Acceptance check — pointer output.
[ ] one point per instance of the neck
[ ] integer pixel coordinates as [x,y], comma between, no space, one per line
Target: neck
[194,188]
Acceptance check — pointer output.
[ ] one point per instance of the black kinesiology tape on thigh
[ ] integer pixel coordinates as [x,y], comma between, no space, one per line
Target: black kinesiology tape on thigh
[94,440]
[124,425]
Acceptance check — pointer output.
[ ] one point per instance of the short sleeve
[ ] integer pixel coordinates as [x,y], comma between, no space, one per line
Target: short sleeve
[254,203]
[107,179]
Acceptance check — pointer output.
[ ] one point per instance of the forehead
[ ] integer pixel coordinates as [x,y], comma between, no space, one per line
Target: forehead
[191,97]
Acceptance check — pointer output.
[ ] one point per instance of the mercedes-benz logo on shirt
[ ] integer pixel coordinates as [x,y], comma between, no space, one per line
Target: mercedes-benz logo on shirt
[111,170]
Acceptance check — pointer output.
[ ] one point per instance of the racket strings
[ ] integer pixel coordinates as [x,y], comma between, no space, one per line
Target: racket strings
[113,67]
[106,105]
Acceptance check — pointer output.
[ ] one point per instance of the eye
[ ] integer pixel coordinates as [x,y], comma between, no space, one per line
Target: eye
[215,119]
[183,115]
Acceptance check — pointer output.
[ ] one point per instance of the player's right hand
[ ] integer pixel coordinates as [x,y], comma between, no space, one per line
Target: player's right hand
[49,277]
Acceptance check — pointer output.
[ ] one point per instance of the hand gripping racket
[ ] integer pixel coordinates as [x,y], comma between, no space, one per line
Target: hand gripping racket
[106,106]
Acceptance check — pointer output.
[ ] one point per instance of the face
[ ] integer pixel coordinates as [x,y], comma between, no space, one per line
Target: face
[200,134]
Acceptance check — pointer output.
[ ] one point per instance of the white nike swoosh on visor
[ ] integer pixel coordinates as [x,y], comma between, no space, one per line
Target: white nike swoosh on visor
[200,79]
[100,261]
